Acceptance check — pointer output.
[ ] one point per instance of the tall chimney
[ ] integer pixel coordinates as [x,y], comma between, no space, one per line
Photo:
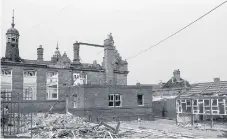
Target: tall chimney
[76,53]
[109,58]
[40,53]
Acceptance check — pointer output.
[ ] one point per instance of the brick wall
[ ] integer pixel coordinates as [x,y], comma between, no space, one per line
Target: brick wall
[96,104]
[95,77]
[35,106]
[97,95]
[41,103]
[64,81]
[121,79]
[17,82]
[114,114]
[41,83]
[168,105]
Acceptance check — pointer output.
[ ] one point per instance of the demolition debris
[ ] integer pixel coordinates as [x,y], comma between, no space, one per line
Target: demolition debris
[66,125]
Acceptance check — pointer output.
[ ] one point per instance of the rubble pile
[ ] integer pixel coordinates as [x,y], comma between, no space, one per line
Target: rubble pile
[69,126]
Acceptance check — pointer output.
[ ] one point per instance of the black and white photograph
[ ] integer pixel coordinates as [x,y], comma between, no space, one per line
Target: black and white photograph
[113,69]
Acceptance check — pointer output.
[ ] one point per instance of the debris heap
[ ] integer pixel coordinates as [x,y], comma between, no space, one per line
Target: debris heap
[69,126]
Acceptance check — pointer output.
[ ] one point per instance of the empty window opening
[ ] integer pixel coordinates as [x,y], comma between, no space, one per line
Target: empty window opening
[140,101]
[29,85]
[52,85]
[74,101]
[6,84]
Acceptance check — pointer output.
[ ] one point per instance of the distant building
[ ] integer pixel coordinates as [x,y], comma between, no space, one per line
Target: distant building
[164,95]
[171,88]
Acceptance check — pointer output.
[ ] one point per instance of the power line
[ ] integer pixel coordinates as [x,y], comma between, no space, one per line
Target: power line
[176,32]
[100,52]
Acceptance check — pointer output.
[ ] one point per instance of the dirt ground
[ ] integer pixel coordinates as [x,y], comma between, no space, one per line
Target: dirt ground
[162,128]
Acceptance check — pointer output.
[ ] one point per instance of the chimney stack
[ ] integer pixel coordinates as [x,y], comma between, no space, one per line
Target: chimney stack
[176,74]
[40,53]
[76,52]
[95,63]
[217,79]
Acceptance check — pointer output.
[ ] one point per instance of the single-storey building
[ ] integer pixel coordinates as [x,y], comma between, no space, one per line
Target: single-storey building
[107,102]
[205,101]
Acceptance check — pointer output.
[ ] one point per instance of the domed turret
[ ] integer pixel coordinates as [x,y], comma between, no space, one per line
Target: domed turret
[12,31]
[12,43]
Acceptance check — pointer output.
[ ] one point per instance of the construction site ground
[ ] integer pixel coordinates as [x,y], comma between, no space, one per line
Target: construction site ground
[69,126]
[163,128]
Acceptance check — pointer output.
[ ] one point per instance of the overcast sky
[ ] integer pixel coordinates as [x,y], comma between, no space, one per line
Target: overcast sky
[200,51]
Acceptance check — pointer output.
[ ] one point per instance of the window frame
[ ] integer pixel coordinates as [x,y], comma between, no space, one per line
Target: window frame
[49,94]
[32,86]
[114,100]
[212,100]
[8,92]
[111,100]
[74,100]
[80,80]
[209,103]
[142,100]
[120,100]
[74,104]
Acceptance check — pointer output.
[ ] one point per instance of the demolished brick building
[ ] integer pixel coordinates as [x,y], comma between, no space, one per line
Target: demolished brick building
[81,87]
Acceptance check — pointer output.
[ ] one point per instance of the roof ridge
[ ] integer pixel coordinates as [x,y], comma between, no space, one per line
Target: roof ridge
[210,82]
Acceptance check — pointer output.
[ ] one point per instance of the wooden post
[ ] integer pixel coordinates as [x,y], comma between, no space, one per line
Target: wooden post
[67,104]
[176,110]
[212,122]
[18,114]
[192,115]
[31,124]
[3,113]
[211,114]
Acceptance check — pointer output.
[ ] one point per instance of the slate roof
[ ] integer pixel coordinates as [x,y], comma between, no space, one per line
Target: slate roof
[173,83]
[208,88]
[12,31]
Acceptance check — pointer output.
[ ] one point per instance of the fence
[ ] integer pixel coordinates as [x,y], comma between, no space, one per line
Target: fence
[13,121]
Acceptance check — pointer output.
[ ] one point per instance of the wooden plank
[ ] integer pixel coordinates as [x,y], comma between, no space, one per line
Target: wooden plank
[89,44]
[192,116]
[117,127]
